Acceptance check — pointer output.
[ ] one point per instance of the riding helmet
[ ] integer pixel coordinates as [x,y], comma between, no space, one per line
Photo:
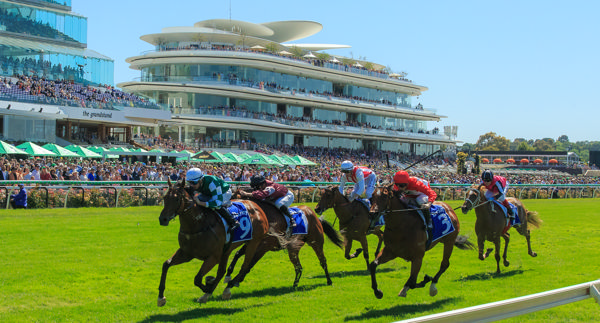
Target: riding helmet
[194,175]
[347,165]
[401,177]
[256,181]
[487,175]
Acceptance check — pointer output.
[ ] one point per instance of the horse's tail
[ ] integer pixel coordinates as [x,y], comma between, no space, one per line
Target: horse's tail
[462,242]
[331,233]
[534,219]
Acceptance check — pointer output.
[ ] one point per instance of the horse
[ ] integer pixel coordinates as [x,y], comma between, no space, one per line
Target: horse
[405,237]
[354,221]
[202,236]
[274,241]
[491,225]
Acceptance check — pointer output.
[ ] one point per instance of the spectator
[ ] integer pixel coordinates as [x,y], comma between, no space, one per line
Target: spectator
[19,200]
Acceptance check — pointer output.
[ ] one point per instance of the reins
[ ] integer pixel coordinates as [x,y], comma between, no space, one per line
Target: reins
[476,203]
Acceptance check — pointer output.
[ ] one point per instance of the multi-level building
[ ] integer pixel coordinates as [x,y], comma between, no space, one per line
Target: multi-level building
[234,80]
[52,86]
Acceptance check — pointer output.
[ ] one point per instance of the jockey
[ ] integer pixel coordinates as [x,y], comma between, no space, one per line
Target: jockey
[211,192]
[496,190]
[364,179]
[417,191]
[266,190]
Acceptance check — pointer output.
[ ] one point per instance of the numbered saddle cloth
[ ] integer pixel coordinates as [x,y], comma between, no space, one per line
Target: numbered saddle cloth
[244,231]
[300,219]
[515,212]
[442,224]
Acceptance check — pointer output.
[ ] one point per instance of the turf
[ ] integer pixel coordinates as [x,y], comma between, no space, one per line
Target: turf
[103,265]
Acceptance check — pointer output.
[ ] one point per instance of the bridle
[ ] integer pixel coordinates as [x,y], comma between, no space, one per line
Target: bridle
[181,209]
[474,204]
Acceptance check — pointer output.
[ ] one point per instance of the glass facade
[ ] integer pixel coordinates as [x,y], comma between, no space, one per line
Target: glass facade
[43,23]
[17,128]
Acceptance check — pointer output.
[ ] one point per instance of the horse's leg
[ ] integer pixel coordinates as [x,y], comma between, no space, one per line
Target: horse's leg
[293,252]
[206,267]
[365,247]
[448,248]
[379,235]
[384,257]
[318,248]
[411,283]
[251,248]
[497,254]
[178,258]
[348,248]
[231,267]
[506,237]
[481,245]
[527,237]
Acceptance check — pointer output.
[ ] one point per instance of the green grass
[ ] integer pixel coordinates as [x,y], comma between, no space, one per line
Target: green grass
[103,265]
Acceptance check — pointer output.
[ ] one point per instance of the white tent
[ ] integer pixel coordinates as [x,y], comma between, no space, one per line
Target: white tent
[334,60]
[284,53]
[310,55]
[257,47]
[357,64]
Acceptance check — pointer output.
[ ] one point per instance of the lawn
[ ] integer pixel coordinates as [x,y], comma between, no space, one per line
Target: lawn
[104,265]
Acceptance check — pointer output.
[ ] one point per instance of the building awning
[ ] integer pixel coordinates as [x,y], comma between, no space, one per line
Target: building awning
[50,48]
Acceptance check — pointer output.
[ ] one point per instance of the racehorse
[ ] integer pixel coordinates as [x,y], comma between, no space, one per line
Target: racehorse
[274,241]
[405,237]
[491,223]
[202,236]
[354,221]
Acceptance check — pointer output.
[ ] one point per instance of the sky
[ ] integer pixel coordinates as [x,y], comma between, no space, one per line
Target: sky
[520,69]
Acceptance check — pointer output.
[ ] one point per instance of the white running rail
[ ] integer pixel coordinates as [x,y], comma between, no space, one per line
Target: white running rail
[516,306]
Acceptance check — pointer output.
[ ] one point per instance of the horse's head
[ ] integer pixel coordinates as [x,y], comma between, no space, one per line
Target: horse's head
[380,201]
[472,198]
[174,202]
[326,201]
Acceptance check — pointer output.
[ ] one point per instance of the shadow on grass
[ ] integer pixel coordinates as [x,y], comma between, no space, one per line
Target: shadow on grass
[274,291]
[198,313]
[408,310]
[339,274]
[488,275]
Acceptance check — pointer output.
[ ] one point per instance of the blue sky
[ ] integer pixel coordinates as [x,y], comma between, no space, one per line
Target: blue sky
[522,69]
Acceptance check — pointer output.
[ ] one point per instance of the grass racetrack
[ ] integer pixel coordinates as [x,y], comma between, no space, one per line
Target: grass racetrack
[104,265]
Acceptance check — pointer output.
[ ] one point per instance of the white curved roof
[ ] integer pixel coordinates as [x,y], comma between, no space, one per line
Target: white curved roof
[317,47]
[284,31]
[236,26]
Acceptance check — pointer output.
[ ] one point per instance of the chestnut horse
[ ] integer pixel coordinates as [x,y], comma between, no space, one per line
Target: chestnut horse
[354,221]
[405,237]
[274,240]
[202,236]
[491,224]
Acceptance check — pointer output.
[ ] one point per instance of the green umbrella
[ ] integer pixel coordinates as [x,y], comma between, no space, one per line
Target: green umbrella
[35,150]
[100,150]
[83,152]
[244,156]
[259,159]
[8,149]
[291,160]
[120,149]
[222,158]
[234,157]
[283,161]
[156,150]
[60,151]
[303,161]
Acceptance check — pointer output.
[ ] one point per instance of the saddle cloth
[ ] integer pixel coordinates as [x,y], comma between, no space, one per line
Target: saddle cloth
[515,212]
[244,231]
[442,224]
[300,219]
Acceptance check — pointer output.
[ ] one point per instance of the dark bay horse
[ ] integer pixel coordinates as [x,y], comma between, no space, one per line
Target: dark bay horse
[354,221]
[491,223]
[274,240]
[202,236]
[405,237]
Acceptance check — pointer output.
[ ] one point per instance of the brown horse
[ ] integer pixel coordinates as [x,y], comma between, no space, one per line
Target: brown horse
[274,240]
[202,236]
[354,221]
[405,237]
[491,224]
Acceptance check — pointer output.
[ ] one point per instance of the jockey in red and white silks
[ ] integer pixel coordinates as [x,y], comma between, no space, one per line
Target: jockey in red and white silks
[496,189]
[363,177]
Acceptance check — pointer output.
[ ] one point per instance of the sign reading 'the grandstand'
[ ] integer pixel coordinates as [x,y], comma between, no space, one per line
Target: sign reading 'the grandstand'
[100,115]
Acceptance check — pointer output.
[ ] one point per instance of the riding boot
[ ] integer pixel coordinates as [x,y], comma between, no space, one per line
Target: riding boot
[224,212]
[284,209]
[509,210]
[426,209]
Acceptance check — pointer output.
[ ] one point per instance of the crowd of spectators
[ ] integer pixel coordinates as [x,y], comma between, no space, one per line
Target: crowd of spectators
[14,22]
[27,88]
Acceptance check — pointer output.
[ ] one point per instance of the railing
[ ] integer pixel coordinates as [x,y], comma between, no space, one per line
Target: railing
[516,306]
[63,194]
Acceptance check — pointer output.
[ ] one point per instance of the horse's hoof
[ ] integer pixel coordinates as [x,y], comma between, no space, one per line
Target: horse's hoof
[329,282]
[403,292]
[533,254]
[378,294]
[432,290]
[506,263]
[161,302]
[227,279]
[204,298]
[209,280]
[226,294]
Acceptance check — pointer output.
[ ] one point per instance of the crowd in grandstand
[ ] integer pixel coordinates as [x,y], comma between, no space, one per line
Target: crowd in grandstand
[13,21]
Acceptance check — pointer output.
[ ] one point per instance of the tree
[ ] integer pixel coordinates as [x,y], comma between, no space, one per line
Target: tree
[564,139]
[515,144]
[272,47]
[544,144]
[524,146]
[491,141]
